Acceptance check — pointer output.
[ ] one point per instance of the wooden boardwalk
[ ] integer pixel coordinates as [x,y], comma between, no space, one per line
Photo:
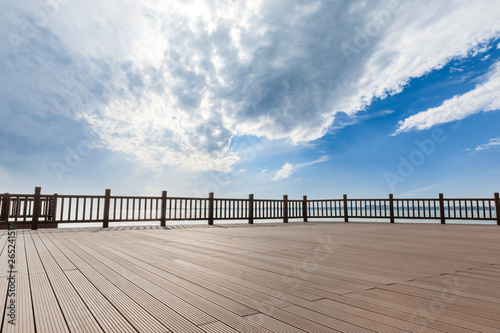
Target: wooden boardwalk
[295,277]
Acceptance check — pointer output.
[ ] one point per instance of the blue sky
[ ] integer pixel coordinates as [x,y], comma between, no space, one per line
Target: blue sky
[270,98]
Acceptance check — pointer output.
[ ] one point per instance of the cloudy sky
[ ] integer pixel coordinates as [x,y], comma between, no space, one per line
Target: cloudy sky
[236,97]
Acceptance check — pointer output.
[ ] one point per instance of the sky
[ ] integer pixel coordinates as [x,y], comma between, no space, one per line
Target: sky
[317,98]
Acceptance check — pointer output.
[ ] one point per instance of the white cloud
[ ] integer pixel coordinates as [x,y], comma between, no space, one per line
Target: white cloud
[484,97]
[285,172]
[419,191]
[171,83]
[319,160]
[288,169]
[495,142]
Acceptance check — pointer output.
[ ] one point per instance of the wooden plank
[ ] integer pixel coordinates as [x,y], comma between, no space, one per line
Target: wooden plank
[106,266]
[280,272]
[109,318]
[24,320]
[379,322]
[217,327]
[213,309]
[319,274]
[235,278]
[76,313]
[429,315]
[273,324]
[4,267]
[136,315]
[322,319]
[238,303]
[307,325]
[4,249]
[464,291]
[473,284]
[266,321]
[274,281]
[142,257]
[415,302]
[3,293]
[380,312]
[47,313]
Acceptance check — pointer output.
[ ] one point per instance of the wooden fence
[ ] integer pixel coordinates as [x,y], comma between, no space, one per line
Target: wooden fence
[39,210]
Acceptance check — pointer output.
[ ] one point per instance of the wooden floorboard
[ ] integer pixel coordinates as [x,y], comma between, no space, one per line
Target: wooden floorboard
[24,308]
[297,277]
[46,309]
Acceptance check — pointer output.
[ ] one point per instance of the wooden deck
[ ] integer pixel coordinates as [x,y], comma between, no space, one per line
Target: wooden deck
[295,277]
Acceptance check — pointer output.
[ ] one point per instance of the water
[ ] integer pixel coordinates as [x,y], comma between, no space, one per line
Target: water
[244,221]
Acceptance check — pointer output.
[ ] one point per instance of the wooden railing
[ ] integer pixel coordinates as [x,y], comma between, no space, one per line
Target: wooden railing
[44,211]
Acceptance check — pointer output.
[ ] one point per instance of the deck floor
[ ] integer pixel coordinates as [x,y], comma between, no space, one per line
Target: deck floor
[295,277]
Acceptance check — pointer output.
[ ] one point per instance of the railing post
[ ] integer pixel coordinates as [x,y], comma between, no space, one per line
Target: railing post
[36,209]
[391,207]
[250,209]
[211,208]
[285,208]
[53,208]
[304,208]
[107,199]
[346,213]
[497,207]
[163,221]
[441,208]
[5,213]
